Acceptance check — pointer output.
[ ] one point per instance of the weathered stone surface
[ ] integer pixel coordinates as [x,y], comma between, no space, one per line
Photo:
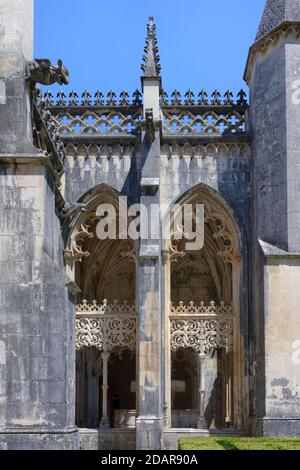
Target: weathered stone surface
[274,115]
[16,49]
[93,439]
[40,441]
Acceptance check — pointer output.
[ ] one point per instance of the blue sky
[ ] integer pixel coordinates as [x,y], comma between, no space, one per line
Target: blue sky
[202,43]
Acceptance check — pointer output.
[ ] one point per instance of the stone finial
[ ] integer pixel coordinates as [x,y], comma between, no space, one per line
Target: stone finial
[277,12]
[151,66]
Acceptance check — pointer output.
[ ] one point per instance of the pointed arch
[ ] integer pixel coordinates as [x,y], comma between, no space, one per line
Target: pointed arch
[215,274]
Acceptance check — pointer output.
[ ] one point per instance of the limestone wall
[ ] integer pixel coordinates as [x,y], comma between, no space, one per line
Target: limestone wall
[16,32]
[37,364]
[282,327]
[16,48]
[225,168]
[113,165]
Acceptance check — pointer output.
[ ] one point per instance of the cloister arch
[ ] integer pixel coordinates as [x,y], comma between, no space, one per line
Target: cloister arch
[201,295]
[106,317]
[206,313]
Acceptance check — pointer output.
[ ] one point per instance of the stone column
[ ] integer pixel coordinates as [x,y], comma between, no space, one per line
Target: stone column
[149,424]
[149,421]
[202,423]
[228,387]
[239,354]
[166,299]
[105,419]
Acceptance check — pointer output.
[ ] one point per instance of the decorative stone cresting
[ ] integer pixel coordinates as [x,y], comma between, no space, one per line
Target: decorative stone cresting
[105,308]
[91,119]
[215,101]
[192,308]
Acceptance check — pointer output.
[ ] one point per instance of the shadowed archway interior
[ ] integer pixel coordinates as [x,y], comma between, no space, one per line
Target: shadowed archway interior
[199,281]
[106,274]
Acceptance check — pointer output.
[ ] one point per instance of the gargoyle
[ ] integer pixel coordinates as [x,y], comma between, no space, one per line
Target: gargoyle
[73,209]
[42,71]
[150,126]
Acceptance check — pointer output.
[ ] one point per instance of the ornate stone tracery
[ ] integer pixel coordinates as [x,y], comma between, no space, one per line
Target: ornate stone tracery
[91,123]
[207,123]
[89,333]
[106,326]
[201,335]
[76,253]
[105,308]
[202,329]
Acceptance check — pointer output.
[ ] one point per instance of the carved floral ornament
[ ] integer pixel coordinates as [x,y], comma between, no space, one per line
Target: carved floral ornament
[105,326]
[85,231]
[222,233]
[109,326]
[106,333]
[202,335]
[82,227]
[81,233]
[174,248]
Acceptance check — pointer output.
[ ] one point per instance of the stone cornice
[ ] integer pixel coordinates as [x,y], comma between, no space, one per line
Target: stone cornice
[37,430]
[274,252]
[270,40]
[38,158]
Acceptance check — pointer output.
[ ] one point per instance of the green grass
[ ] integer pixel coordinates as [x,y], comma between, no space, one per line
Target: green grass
[239,443]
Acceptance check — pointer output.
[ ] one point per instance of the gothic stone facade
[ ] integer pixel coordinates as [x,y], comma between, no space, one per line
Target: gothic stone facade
[129,344]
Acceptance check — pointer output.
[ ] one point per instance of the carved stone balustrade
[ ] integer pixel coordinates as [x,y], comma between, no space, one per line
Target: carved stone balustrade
[95,120]
[105,326]
[202,328]
[203,117]
[89,120]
